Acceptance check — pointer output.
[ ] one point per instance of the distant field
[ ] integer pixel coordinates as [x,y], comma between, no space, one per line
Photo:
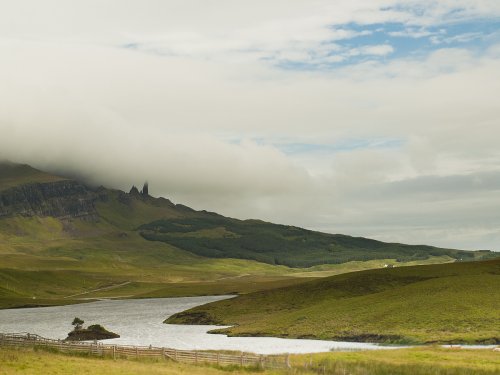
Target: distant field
[456,302]
[418,361]
[45,261]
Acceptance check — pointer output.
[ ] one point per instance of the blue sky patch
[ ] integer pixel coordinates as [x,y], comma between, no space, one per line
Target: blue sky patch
[385,41]
[345,44]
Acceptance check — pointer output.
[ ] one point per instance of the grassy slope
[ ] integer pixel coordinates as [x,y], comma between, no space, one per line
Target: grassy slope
[45,261]
[418,361]
[12,175]
[49,260]
[456,302]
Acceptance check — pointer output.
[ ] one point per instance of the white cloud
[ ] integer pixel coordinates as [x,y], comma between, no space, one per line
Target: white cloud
[73,98]
[460,38]
[414,33]
[376,50]
[226,29]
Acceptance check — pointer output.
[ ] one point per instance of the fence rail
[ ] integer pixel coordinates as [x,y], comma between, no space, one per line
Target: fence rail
[119,351]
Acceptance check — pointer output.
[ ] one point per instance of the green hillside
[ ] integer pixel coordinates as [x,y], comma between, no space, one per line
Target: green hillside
[221,237]
[64,242]
[52,261]
[12,175]
[457,302]
[46,261]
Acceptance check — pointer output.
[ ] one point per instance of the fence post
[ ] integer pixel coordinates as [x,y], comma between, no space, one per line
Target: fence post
[196,356]
[114,351]
[218,359]
[287,360]
[137,352]
[164,353]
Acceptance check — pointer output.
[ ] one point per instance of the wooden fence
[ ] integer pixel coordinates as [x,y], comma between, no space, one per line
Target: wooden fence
[124,351]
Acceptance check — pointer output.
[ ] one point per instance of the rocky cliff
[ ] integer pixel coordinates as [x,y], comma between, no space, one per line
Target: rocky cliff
[62,199]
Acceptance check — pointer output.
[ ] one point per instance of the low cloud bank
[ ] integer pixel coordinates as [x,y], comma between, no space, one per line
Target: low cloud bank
[401,150]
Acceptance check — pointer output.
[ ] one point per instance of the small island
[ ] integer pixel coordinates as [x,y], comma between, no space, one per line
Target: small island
[92,332]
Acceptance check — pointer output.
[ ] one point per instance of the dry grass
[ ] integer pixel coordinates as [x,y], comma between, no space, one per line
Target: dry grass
[41,362]
[415,361]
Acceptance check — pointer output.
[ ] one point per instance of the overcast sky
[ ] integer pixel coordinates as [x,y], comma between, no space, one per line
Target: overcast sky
[378,118]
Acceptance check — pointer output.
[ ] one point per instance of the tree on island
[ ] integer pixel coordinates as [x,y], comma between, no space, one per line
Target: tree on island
[78,323]
[92,332]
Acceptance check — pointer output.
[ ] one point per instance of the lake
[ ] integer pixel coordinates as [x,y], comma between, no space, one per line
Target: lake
[140,322]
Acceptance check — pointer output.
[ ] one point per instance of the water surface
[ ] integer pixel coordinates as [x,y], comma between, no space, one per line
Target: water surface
[140,322]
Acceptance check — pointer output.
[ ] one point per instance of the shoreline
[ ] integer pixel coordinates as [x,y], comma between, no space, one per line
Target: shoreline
[224,328]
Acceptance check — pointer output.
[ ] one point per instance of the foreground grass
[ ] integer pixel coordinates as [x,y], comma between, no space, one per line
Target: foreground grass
[416,361]
[35,362]
[456,302]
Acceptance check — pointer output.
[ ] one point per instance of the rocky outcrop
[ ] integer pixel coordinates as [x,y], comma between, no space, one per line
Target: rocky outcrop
[143,196]
[145,189]
[134,191]
[62,199]
[143,193]
[67,199]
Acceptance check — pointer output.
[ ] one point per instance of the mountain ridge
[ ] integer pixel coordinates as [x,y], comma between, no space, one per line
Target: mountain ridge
[203,233]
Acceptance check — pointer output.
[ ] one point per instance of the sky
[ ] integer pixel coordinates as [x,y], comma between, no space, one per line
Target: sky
[375,118]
